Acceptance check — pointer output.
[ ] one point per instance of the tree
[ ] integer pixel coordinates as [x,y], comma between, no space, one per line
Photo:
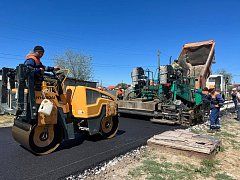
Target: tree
[79,65]
[123,85]
[226,75]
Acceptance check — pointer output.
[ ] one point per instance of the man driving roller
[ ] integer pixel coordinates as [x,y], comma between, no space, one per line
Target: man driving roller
[33,60]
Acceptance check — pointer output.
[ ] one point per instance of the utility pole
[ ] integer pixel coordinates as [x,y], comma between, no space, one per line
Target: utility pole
[158,58]
[170,60]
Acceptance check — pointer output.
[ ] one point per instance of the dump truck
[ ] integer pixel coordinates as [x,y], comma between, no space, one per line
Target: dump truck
[57,112]
[175,96]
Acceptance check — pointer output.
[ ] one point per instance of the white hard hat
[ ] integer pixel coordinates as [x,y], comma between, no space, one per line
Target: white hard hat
[234,89]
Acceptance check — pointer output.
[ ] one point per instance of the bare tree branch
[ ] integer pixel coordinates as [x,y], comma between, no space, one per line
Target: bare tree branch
[79,65]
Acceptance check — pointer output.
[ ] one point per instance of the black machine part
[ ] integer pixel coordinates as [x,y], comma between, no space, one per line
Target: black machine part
[39,139]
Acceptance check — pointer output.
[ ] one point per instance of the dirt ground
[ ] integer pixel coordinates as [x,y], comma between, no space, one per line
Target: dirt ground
[151,163]
[6,120]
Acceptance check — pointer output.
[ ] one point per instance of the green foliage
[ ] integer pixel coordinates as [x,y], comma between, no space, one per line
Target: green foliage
[135,172]
[225,74]
[163,170]
[224,135]
[222,148]
[172,171]
[227,134]
[196,131]
[123,85]
[208,166]
[223,176]
[235,144]
[79,65]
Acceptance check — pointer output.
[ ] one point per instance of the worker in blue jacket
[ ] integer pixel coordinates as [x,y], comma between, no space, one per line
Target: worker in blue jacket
[33,60]
[216,103]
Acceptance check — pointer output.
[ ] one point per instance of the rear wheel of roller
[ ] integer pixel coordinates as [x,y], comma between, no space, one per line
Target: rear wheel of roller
[45,139]
[109,126]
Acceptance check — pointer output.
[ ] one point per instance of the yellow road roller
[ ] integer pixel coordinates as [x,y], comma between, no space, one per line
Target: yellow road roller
[55,112]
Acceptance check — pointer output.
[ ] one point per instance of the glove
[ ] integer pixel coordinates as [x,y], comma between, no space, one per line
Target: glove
[57,68]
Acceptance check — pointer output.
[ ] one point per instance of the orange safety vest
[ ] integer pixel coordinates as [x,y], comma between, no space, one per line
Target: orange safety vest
[120,92]
[36,59]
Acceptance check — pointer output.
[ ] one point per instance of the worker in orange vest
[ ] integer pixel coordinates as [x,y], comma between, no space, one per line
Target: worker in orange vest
[33,61]
[120,93]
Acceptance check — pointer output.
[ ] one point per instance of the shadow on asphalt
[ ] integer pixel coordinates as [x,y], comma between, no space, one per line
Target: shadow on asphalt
[120,132]
[98,137]
[135,116]
[67,144]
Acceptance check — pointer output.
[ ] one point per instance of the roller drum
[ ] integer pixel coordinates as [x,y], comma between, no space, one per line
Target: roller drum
[38,139]
[22,135]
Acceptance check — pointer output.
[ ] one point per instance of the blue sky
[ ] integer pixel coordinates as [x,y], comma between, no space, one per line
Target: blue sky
[119,34]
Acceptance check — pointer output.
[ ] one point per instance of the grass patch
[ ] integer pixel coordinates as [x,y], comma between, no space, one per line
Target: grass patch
[167,170]
[222,148]
[235,144]
[155,168]
[227,134]
[223,176]
[135,172]
[207,167]
[224,135]
[163,170]
[196,131]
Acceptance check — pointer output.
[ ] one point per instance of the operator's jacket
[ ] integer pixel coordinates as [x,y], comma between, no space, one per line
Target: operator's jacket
[39,68]
[206,100]
[216,99]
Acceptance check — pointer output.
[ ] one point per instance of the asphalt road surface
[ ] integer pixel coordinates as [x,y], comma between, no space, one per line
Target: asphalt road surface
[73,156]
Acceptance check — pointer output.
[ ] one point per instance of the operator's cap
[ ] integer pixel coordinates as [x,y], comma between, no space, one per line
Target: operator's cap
[205,89]
[234,89]
[211,90]
[38,49]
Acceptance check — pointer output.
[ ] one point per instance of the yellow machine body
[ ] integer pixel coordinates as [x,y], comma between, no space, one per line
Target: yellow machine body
[88,102]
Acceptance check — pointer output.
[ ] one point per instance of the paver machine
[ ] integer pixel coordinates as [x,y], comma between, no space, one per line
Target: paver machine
[47,116]
[175,97]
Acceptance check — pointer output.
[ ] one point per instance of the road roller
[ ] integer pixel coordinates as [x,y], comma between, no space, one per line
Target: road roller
[55,112]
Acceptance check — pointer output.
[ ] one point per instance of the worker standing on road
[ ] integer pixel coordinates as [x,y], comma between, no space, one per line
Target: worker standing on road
[216,103]
[33,60]
[238,105]
[176,65]
[206,99]
[120,93]
[234,97]
[189,67]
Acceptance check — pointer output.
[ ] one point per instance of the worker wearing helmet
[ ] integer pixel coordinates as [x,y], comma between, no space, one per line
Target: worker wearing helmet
[176,65]
[120,93]
[234,97]
[206,99]
[33,60]
[216,103]
[189,67]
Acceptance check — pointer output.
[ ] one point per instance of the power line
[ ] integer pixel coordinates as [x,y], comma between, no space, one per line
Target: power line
[71,38]
[53,34]
[121,52]
[38,32]
[94,64]
[46,33]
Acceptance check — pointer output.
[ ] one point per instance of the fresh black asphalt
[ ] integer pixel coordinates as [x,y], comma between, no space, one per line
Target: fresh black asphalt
[73,156]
